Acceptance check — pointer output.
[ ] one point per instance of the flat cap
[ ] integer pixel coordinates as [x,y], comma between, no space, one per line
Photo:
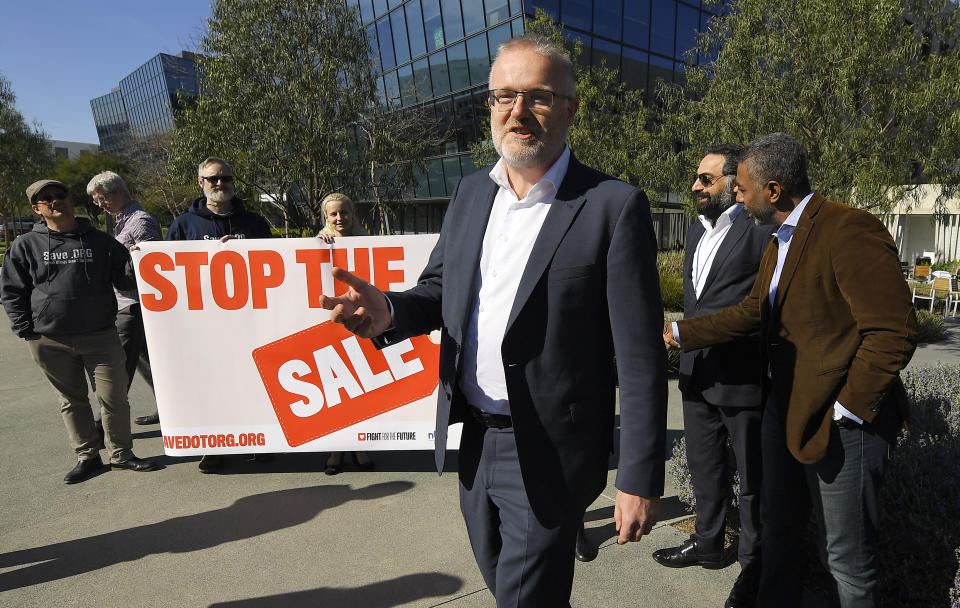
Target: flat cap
[39,185]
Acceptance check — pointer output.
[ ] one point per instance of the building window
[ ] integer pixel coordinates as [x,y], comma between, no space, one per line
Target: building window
[432,24]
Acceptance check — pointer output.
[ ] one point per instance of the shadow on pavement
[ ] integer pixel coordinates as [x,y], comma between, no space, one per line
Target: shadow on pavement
[248,517]
[382,594]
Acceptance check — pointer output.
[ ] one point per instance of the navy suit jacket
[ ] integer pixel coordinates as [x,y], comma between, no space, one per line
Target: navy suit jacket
[587,309]
[725,374]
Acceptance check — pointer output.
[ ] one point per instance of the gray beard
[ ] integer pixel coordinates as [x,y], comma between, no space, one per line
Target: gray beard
[219,196]
[716,205]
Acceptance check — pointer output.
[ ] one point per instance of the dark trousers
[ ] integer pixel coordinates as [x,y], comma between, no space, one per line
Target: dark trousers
[706,429]
[843,492]
[523,563]
[134,343]
[66,361]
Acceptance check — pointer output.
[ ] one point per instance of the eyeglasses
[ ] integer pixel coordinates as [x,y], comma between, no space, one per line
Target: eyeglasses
[103,198]
[47,199]
[707,180]
[537,101]
[226,179]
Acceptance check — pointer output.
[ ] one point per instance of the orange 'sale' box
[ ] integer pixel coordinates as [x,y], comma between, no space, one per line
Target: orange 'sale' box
[324,378]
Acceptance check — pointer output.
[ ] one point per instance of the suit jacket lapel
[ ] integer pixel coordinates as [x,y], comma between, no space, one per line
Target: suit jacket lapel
[694,233]
[797,243]
[737,229]
[459,278]
[562,212]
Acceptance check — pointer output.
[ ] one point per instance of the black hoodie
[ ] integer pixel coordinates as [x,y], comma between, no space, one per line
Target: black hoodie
[200,223]
[62,282]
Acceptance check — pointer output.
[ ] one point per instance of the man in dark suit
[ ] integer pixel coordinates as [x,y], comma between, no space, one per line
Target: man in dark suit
[837,326]
[720,384]
[544,270]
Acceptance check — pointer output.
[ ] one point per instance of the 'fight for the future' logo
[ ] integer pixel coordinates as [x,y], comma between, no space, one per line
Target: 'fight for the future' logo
[324,378]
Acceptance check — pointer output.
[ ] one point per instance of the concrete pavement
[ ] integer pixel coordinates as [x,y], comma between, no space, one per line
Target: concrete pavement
[276,533]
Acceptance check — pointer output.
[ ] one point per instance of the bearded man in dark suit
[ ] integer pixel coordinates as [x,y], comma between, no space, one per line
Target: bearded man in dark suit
[720,384]
[837,326]
[544,270]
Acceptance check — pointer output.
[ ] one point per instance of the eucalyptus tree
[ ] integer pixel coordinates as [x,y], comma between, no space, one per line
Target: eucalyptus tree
[869,87]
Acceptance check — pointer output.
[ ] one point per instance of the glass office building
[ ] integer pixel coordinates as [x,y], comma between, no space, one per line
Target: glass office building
[145,101]
[437,53]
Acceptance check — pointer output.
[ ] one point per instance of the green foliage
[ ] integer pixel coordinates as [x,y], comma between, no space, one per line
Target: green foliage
[670,267]
[929,327]
[289,98]
[873,98]
[948,266]
[76,174]
[25,156]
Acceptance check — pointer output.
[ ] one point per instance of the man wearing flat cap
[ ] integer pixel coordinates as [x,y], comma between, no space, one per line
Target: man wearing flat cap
[56,285]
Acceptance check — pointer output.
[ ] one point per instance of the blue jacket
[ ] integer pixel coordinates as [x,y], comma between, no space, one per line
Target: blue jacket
[201,223]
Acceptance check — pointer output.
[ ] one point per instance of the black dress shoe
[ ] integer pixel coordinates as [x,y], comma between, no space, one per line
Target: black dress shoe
[744,592]
[210,463]
[134,464]
[153,418]
[332,469]
[585,551]
[688,554]
[84,470]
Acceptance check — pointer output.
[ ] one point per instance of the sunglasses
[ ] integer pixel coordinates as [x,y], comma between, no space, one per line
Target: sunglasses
[707,180]
[226,179]
[46,199]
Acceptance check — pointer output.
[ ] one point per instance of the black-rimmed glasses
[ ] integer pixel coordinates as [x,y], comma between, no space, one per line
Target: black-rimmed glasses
[538,100]
[226,179]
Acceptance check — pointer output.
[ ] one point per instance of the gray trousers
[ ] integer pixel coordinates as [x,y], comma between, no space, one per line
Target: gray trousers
[66,361]
[134,343]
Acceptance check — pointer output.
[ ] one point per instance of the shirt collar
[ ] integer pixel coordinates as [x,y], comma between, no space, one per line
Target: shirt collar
[785,231]
[554,175]
[725,219]
[129,209]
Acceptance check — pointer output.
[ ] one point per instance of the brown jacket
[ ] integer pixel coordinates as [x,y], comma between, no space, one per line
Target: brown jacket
[841,328]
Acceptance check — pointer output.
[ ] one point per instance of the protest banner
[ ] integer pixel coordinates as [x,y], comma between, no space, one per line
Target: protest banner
[245,360]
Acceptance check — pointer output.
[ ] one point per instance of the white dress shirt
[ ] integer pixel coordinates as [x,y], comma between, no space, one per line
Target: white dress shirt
[511,231]
[709,243]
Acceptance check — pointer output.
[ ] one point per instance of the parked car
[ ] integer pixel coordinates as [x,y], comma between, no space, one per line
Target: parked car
[15,227]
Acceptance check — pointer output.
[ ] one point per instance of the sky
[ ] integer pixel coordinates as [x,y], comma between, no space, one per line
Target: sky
[60,54]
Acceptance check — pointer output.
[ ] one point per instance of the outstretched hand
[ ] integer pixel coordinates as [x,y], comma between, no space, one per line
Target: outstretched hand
[635,516]
[668,340]
[363,309]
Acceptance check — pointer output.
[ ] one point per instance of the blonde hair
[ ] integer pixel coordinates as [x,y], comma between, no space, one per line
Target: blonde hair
[356,229]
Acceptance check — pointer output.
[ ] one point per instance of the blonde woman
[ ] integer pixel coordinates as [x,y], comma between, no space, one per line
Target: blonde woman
[338,220]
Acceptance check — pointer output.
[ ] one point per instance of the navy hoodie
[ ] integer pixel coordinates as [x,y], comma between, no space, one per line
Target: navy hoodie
[201,223]
[62,282]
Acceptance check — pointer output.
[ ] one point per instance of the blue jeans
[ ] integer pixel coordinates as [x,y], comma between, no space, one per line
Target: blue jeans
[843,491]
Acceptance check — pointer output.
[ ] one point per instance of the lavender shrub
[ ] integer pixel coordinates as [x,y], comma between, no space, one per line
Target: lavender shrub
[920,500]
[919,546]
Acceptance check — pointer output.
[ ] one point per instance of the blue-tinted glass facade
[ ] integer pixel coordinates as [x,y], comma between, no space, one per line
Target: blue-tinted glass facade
[145,101]
[437,53]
